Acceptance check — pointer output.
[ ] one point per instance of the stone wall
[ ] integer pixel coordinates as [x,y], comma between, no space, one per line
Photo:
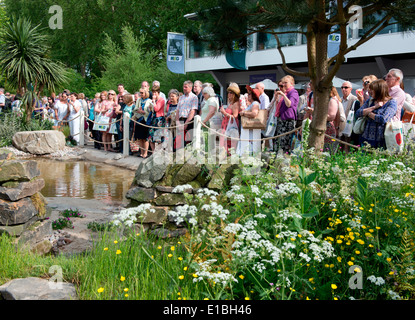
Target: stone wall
[157,177]
[23,210]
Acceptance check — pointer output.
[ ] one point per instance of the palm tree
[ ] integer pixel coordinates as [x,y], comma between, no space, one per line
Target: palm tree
[25,63]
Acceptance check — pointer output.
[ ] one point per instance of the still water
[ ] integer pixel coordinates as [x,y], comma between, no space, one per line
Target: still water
[85,180]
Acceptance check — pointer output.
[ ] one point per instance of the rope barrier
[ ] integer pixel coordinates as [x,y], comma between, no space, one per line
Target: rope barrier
[251,140]
[151,127]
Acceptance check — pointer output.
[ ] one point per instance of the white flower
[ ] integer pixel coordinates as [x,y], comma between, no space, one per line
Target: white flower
[376,280]
[182,188]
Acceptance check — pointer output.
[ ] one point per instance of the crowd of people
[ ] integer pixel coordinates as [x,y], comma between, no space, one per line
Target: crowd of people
[153,113]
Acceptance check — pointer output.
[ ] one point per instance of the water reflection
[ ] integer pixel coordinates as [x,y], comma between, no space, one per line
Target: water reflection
[84,180]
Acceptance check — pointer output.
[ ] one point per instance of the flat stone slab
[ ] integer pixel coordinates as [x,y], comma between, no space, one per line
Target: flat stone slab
[37,289]
[39,142]
[22,190]
[18,212]
[19,170]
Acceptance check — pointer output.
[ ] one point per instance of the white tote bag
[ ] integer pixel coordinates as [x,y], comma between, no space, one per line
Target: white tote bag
[271,125]
[394,136]
[102,123]
[408,129]
[348,128]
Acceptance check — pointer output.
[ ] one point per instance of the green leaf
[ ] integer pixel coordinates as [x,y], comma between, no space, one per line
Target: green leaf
[310,178]
[312,213]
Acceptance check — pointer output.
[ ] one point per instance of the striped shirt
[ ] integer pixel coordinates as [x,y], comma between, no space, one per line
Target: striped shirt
[186,104]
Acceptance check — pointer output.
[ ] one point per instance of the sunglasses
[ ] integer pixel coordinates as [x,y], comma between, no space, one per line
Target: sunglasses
[345,87]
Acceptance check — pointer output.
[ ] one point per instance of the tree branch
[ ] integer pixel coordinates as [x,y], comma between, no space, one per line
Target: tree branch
[284,62]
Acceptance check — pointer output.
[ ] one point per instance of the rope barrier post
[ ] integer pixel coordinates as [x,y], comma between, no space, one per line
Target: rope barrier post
[82,128]
[197,133]
[126,134]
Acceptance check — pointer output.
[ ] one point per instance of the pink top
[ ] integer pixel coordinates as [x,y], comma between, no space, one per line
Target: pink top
[159,107]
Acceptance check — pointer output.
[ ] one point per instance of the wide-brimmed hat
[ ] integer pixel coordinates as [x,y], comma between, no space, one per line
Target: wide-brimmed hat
[233,87]
[255,92]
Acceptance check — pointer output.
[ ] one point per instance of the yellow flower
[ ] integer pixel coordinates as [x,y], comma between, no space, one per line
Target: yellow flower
[181,277]
[126,295]
[357,270]
[170,255]
[333,286]
[118,252]
[391,273]
[339,259]
[247,298]
[172,248]
[379,254]
[350,263]
[115,241]
[206,299]
[100,290]
[122,278]
[195,275]
[357,252]
[241,277]
[388,259]
[180,258]
[185,268]
[126,289]
[105,249]
[334,209]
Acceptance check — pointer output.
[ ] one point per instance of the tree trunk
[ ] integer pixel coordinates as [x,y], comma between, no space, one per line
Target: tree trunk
[317,55]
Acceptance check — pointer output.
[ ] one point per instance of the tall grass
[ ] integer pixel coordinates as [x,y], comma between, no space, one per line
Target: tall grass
[140,267]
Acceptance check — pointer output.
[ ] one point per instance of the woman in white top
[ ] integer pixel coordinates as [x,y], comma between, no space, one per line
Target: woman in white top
[61,108]
[250,147]
[209,109]
[74,116]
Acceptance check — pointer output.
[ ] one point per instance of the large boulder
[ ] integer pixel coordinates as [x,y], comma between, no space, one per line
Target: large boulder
[39,142]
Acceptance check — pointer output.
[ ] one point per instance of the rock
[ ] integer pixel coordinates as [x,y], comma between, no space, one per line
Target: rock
[165,233]
[164,189]
[16,170]
[170,199]
[42,248]
[18,230]
[152,169]
[36,233]
[18,212]
[37,289]
[159,216]
[141,195]
[39,142]
[21,190]
[221,177]
[6,154]
[186,174]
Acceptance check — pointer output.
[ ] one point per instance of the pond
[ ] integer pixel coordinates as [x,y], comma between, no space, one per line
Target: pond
[82,180]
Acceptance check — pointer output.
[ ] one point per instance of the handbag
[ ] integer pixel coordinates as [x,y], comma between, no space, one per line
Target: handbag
[232,130]
[134,146]
[271,125]
[259,122]
[359,125]
[408,128]
[113,127]
[102,123]
[348,128]
[394,136]
[408,117]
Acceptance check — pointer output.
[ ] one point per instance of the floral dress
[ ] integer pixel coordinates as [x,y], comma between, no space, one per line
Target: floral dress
[374,133]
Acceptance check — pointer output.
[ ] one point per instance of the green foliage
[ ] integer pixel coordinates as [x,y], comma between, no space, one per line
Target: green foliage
[131,63]
[11,123]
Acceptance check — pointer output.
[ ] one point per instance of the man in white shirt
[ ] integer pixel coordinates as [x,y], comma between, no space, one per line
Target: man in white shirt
[393,80]
[349,101]
[263,97]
